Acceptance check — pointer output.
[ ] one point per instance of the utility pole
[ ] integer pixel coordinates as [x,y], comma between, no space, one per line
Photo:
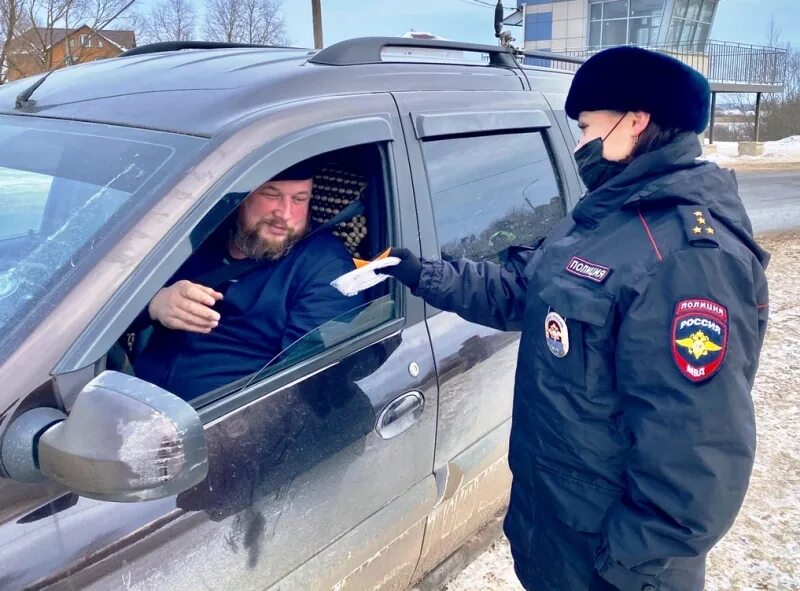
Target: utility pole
[316,15]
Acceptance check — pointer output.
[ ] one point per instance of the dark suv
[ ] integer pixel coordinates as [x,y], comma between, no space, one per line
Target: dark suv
[367,452]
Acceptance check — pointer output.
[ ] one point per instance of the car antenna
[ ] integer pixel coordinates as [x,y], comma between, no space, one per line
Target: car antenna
[504,37]
[24,97]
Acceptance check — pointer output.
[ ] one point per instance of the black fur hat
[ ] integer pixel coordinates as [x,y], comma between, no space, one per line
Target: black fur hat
[635,79]
[301,171]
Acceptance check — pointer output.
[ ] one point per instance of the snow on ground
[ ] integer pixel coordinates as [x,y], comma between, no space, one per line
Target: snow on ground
[762,550]
[785,151]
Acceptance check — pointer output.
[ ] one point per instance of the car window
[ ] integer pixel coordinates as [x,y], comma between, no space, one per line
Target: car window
[335,332]
[491,192]
[574,129]
[60,192]
[349,325]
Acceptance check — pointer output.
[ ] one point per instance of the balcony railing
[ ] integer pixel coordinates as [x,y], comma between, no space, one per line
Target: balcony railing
[730,67]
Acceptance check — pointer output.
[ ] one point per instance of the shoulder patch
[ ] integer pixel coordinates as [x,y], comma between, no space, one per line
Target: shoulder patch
[699,338]
[698,225]
[588,270]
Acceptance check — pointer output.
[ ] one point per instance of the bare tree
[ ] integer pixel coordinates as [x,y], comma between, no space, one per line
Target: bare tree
[263,23]
[170,20]
[782,111]
[246,21]
[31,28]
[222,20]
[13,21]
[774,34]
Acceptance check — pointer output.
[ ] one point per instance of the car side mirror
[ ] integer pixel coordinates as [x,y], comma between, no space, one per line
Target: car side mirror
[124,440]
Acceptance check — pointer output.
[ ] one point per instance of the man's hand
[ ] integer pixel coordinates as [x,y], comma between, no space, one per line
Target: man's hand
[186,306]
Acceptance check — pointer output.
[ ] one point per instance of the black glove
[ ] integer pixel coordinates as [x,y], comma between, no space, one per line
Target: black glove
[408,271]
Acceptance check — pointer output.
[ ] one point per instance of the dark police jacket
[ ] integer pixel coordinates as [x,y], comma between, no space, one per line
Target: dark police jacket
[643,432]
[263,311]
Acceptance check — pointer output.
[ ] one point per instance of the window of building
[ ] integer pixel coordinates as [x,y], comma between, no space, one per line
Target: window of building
[707,11]
[693,13]
[615,9]
[674,33]
[691,23]
[595,33]
[615,32]
[640,8]
[644,31]
[539,26]
[687,35]
[620,22]
[512,196]
[681,7]
[701,35]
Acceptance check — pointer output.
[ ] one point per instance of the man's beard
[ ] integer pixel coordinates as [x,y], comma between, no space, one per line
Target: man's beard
[253,246]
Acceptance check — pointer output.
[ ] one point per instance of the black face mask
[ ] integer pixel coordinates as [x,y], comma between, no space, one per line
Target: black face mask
[595,170]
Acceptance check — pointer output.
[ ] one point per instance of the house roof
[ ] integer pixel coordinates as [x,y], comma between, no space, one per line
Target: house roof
[36,36]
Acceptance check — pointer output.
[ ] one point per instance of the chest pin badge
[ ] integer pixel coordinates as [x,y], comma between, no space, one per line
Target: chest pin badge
[556,334]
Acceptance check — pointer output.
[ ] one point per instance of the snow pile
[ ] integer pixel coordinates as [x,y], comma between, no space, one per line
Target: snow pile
[785,151]
[791,141]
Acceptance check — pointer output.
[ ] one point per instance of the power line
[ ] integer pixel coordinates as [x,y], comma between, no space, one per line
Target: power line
[470,2]
[483,3]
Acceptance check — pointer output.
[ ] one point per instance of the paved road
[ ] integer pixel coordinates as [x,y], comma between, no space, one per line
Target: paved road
[772,198]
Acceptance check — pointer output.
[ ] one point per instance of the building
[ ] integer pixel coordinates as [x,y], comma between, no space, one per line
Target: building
[39,50]
[560,25]
[680,28]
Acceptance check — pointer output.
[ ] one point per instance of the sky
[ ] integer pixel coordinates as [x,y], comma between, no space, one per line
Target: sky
[743,21]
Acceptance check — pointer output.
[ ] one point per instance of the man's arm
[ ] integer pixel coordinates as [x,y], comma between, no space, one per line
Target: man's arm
[686,358]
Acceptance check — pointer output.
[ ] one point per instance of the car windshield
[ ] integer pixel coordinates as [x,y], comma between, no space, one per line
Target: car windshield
[62,186]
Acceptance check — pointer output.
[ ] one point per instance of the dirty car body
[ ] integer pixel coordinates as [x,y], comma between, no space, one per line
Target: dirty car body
[368,451]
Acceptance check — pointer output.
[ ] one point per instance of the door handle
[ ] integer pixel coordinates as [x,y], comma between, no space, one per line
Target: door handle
[400,414]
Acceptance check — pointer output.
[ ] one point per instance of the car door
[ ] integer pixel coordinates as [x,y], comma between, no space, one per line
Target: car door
[487,175]
[320,470]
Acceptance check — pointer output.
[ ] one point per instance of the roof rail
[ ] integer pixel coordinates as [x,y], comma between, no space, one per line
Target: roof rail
[178,45]
[368,50]
[552,56]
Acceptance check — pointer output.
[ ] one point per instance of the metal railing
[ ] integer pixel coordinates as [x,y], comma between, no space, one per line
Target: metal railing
[721,62]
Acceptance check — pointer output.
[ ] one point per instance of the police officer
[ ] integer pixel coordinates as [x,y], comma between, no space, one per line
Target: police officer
[642,317]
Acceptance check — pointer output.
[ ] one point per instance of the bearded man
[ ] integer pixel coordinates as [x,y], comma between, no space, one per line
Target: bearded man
[208,336]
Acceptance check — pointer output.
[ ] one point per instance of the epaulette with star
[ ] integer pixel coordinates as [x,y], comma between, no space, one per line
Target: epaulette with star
[698,225]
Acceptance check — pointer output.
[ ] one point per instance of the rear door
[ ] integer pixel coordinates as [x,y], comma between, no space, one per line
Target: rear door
[487,176]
